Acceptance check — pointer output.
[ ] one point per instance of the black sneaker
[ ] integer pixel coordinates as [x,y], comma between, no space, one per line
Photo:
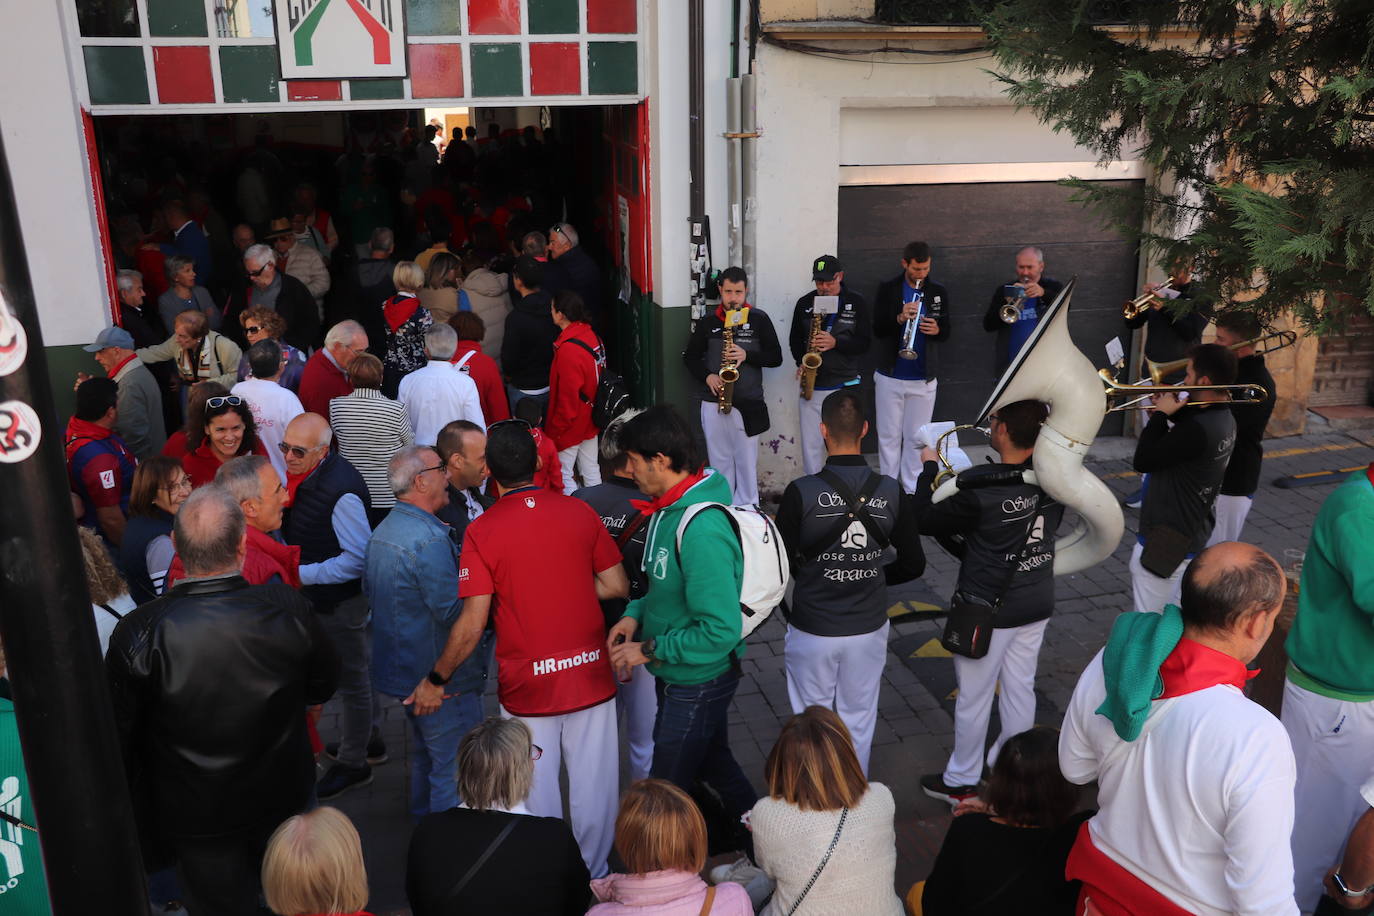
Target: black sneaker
[338,779]
[934,786]
[376,751]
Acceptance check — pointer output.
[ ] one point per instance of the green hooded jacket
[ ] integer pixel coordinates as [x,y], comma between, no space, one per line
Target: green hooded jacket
[692,607]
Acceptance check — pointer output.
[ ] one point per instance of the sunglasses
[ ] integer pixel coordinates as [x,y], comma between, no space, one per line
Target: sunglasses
[258,273]
[295,451]
[232,400]
[253,328]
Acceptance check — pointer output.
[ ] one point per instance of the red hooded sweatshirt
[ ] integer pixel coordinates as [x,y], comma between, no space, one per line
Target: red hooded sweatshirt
[572,386]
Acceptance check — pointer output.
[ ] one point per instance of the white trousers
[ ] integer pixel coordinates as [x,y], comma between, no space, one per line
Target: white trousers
[1011,659]
[842,673]
[732,452]
[637,704]
[587,741]
[1333,744]
[1231,512]
[809,417]
[1150,592]
[585,455]
[903,406]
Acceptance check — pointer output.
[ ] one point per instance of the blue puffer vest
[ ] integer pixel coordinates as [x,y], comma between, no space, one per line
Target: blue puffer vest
[308,524]
[133,556]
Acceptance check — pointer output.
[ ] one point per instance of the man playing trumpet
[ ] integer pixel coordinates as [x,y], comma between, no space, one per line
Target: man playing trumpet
[1169,335]
[1036,292]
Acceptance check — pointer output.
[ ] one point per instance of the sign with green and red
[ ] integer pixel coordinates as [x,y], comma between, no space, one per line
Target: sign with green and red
[333,39]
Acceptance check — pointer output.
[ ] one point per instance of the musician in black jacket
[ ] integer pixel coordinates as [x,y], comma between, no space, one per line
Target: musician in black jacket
[837,632]
[905,387]
[1237,331]
[1039,291]
[1002,529]
[732,439]
[1169,333]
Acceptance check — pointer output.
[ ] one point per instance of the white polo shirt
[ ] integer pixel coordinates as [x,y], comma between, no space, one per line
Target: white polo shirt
[435,395]
[1200,805]
[272,407]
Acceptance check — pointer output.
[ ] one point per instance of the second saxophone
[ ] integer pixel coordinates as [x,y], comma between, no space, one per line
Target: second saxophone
[811,359]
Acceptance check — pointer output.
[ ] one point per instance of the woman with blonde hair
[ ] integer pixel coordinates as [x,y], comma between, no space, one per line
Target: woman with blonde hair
[490,855]
[824,834]
[661,837]
[109,595]
[406,322]
[314,865]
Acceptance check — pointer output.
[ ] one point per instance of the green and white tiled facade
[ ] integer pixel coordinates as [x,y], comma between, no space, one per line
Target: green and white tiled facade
[201,55]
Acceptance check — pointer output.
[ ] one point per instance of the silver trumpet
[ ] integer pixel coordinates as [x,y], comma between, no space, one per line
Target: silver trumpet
[1011,309]
[913,325]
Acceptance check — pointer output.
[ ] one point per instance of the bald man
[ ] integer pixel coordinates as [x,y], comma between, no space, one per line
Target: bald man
[208,683]
[1032,292]
[1195,781]
[327,519]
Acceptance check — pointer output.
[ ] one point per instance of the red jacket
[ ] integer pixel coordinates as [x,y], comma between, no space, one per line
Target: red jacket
[572,386]
[550,473]
[266,557]
[200,465]
[486,375]
[321,382]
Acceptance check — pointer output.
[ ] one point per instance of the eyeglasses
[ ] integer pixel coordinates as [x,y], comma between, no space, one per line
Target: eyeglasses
[512,421]
[437,467]
[182,484]
[536,752]
[253,328]
[258,273]
[558,228]
[296,451]
[232,400]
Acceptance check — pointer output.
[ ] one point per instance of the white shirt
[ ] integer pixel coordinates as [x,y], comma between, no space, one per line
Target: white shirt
[273,407]
[436,395]
[1200,805]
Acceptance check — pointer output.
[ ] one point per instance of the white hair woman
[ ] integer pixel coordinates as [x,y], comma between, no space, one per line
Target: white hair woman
[507,860]
[314,865]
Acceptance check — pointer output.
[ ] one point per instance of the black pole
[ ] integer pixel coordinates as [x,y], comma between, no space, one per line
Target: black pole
[61,700]
[696,105]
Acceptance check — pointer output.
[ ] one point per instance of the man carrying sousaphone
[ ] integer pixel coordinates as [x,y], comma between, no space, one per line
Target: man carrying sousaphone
[1002,529]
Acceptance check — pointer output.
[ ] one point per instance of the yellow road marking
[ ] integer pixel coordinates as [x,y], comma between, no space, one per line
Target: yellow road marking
[902,608]
[932,649]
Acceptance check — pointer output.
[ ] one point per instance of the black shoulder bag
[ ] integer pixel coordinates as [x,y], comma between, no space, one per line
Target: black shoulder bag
[482,859]
[968,629]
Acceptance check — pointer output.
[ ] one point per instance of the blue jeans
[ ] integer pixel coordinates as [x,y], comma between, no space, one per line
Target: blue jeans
[434,755]
[692,741]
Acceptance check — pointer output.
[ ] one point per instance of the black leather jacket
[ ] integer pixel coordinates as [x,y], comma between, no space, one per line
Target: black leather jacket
[210,685]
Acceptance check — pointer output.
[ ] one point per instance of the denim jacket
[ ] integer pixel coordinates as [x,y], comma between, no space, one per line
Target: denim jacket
[411,583]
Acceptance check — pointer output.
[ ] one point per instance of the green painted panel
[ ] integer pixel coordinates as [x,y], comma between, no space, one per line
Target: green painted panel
[432,17]
[553,17]
[376,89]
[612,68]
[249,73]
[496,70]
[63,365]
[180,18]
[672,383]
[116,76]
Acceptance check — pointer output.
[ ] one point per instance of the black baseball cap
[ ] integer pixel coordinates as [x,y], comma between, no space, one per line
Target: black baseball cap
[825,267]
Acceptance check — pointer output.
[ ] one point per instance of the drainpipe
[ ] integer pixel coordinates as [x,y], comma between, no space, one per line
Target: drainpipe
[699,226]
[749,134]
[732,164]
[80,799]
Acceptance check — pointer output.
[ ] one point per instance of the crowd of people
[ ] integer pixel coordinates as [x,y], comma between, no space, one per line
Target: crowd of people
[364,449]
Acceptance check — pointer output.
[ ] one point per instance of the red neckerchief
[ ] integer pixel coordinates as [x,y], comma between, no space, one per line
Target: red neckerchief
[398,309]
[294,481]
[650,506]
[128,359]
[1192,667]
[1369,472]
[288,556]
[720,312]
[79,432]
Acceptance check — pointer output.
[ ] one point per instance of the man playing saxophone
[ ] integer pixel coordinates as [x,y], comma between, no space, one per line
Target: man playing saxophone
[732,438]
[839,340]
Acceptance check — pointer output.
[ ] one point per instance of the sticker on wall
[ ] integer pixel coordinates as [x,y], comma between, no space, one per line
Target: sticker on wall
[341,39]
[20,432]
[14,343]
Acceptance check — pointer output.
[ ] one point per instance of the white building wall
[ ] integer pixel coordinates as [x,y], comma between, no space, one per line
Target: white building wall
[41,123]
[819,114]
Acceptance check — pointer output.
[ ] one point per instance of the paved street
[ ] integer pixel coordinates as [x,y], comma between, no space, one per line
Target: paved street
[915,728]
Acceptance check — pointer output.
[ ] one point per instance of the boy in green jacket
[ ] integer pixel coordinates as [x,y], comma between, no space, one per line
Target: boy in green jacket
[687,628]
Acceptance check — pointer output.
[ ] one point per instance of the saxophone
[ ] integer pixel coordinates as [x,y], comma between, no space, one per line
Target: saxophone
[811,359]
[729,371]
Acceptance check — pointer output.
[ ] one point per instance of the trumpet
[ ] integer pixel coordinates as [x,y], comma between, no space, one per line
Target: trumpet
[1158,372]
[729,370]
[811,359]
[912,326]
[1133,307]
[1011,309]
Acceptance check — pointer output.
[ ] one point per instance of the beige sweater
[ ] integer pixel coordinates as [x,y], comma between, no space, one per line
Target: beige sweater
[789,843]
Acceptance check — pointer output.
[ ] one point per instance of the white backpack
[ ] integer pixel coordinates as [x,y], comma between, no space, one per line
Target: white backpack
[766,570]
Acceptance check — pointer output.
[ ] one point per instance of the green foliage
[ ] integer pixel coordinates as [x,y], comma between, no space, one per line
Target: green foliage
[1263,113]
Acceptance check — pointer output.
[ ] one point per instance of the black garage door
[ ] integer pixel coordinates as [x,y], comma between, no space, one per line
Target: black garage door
[974,231]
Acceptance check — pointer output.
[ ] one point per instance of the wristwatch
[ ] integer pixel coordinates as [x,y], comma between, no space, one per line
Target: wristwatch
[437,679]
[1340,886]
[648,646]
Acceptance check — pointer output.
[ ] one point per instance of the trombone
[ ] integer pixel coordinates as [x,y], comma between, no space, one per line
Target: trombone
[1240,394]
[1160,371]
